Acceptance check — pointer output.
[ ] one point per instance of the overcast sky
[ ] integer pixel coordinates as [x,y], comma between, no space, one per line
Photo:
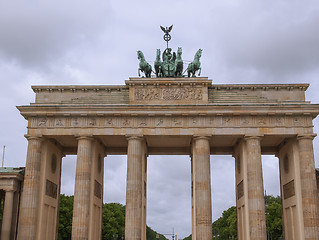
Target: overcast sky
[95,42]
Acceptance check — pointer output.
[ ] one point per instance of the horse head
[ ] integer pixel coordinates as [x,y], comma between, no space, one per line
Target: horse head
[158,54]
[179,51]
[140,55]
[199,52]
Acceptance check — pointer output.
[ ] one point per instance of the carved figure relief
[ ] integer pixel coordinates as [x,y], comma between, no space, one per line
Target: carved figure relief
[176,122]
[42,122]
[109,121]
[159,122]
[261,121]
[92,122]
[142,122]
[59,122]
[168,94]
[296,121]
[75,122]
[227,121]
[245,121]
[126,122]
[279,121]
[170,121]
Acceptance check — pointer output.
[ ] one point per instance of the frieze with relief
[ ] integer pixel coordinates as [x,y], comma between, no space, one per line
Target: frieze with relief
[174,121]
[168,94]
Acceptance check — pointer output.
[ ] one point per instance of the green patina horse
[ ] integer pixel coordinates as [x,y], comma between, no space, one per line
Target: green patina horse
[194,66]
[143,66]
[179,63]
[158,64]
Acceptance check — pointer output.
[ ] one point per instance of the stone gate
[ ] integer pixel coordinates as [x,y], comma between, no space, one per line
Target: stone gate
[187,116]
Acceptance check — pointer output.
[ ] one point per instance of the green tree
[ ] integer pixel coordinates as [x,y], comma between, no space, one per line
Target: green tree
[274,217]
[225,227]
[113,221]
[65,217]
[188,238]
[151,234]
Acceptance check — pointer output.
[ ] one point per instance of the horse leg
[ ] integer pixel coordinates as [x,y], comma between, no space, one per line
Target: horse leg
[148,71]
[139,73]
[200,71]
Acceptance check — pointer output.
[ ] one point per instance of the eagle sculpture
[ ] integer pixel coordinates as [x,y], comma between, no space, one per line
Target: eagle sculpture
[167,29]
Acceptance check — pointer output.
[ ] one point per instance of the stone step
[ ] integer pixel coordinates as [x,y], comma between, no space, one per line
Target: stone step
[222,96]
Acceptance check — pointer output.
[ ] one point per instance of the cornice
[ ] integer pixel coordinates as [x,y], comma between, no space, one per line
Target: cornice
[168,110]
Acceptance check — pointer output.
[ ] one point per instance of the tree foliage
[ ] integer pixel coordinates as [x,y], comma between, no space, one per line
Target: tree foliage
[226,226]
[273,215]
[65,217]
[151,234]
[113,221]
[188,238]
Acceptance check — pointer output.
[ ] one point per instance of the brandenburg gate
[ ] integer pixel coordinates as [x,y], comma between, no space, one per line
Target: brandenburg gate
[163,116]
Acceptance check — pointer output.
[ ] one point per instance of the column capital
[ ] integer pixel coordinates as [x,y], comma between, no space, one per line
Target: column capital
[249,137]
[136,137]
[34,137]
[88,137]
[207,137]
[9,190]
[306,136]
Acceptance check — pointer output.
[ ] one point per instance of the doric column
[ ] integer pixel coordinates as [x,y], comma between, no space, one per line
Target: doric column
[7,216]
[201,188]
[134,187]
[30,194]
[256,201]
[80,224]
[308,187]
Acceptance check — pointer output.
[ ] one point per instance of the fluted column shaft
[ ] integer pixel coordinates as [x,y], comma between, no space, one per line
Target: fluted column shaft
[30,194]
[80,223]
[308,187]
[7,216]
[256,201]
[202,188]
[133,217]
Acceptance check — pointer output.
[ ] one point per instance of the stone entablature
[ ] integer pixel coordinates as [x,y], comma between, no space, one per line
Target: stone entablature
[172,91]
[10,178]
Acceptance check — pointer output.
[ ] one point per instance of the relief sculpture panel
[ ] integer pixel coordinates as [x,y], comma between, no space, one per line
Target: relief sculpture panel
[168,94]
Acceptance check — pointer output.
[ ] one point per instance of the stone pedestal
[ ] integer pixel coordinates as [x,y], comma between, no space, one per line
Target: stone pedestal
[201,189]
[135,227]
[7,216]
[80,224]
[308,187]
[30,195]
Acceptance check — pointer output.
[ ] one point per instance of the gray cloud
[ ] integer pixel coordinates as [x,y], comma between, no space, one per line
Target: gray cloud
[36,32]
